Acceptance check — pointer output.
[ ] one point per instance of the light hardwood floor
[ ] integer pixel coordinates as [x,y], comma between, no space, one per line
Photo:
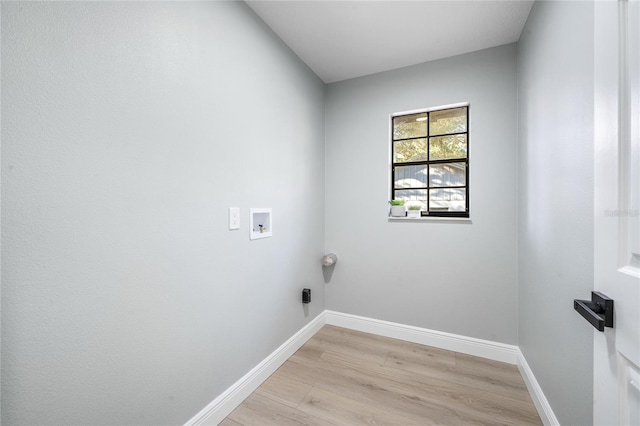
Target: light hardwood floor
[345,377]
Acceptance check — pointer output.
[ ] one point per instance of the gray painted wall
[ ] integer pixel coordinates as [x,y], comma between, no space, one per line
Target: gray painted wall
[128,129]
[453,277]
[555,90]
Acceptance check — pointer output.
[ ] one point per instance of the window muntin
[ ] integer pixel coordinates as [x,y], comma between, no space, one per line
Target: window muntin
[430,160]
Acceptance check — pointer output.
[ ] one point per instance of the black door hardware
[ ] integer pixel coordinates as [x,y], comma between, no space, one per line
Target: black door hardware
[598,311]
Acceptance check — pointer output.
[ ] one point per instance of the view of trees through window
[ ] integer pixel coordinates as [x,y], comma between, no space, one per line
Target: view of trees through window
[430,160]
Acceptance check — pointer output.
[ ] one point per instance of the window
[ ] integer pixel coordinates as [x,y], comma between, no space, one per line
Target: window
[430,160]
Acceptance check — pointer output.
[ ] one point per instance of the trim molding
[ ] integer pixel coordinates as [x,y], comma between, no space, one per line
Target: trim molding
[453,342]
[231,398]
[545,412]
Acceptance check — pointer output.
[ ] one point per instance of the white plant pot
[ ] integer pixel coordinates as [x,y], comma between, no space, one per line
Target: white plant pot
[413,213]
[398,211]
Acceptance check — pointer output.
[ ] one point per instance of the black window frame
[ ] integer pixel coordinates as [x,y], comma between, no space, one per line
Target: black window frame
[428,162]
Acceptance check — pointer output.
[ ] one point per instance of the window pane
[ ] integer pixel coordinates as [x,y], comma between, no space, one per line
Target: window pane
[445,147]
[411,150]
[449,174]
[410,176]
[410,126]
[452,200]
[418,196]
[448,121]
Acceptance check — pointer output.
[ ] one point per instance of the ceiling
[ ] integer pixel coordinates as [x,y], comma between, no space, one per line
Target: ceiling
[339,40]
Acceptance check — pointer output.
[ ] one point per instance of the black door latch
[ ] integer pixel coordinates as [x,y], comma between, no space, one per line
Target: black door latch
[598,311]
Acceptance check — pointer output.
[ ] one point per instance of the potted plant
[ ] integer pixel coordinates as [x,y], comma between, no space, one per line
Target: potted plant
[413,210]
[397,208]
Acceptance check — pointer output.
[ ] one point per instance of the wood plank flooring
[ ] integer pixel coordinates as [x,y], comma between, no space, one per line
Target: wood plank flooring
[345,377]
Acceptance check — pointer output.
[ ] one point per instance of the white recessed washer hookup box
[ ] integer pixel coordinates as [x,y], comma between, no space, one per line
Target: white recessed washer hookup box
[261,223]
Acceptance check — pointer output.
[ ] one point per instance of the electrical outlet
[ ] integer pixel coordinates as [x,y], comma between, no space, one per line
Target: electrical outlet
[234,218]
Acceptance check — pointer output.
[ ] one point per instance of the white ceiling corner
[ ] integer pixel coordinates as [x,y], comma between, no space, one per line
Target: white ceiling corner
[340,40]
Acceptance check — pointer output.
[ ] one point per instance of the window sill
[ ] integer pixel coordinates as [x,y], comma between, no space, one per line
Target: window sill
[429,219]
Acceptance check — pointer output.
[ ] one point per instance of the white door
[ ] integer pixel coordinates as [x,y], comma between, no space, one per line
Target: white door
[617,210]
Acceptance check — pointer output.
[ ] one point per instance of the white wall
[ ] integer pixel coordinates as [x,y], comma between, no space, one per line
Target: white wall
[453,277]
[128,129]
[555,93]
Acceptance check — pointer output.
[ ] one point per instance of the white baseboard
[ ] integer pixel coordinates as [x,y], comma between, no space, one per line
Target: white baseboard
[539,400]
[452,342]
[225,403]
